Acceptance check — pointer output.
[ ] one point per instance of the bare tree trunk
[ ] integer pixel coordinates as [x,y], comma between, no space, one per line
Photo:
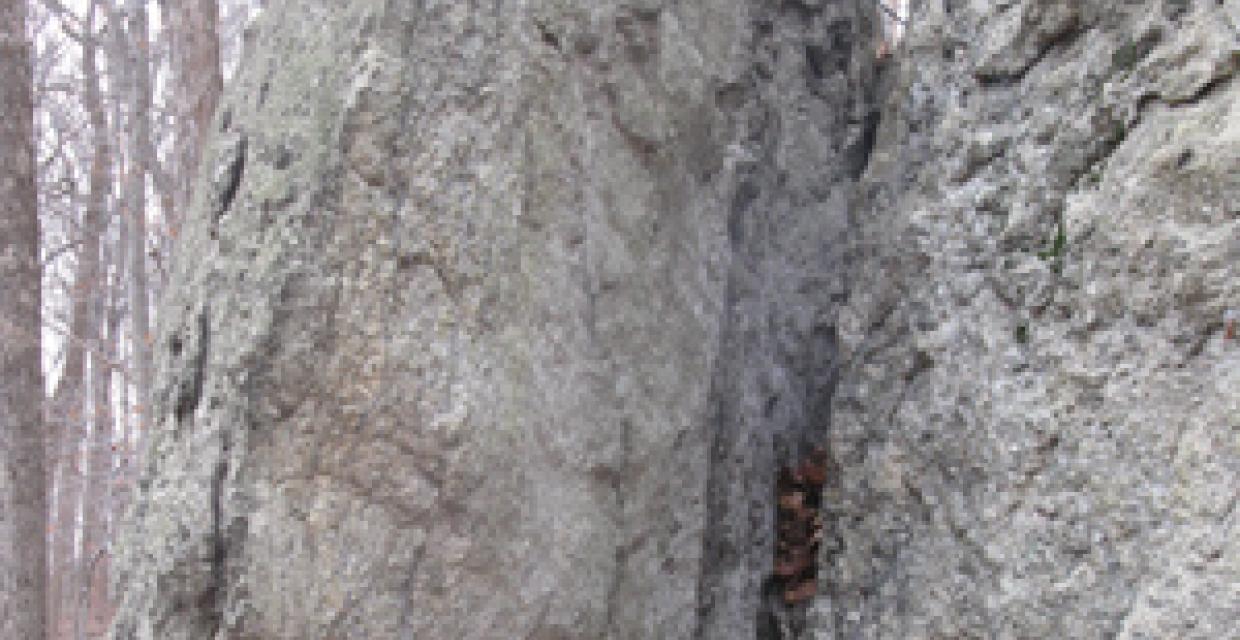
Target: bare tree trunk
[23,482]
[126,55]
[101,604]
[68,415]
[198,80]
[140,146]
[68,404]
[98,458]
[96,474]
[99,188]
[66,418]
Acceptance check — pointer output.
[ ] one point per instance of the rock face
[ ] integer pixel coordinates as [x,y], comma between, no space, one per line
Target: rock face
[500,319]
[1039,430]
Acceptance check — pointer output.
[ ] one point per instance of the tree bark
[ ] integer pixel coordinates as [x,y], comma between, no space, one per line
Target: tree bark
[23,482]
[198,81]
[97,465]
[86,287]
[140,146]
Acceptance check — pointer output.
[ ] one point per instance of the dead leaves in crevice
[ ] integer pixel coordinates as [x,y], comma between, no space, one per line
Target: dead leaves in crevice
[799,527]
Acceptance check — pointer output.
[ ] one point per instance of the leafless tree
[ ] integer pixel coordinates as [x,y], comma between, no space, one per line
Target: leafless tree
[197,76]
[23,560]
[120,110]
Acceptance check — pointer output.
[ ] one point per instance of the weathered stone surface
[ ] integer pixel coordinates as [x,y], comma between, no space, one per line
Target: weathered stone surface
[1040,438]
[497,320]
[493,320]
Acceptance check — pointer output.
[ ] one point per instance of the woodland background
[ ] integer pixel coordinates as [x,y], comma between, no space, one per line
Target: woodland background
[104,104]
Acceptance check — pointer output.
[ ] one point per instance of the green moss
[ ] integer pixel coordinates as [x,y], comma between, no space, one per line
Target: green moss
[1055,252]
[1058,245]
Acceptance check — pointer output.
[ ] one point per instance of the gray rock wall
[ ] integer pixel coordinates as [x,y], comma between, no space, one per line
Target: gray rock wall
[1039,429]
[498,320]
[494,320]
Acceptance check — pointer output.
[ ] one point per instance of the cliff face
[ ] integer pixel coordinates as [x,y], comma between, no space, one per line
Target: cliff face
[499,320]
[1039,430]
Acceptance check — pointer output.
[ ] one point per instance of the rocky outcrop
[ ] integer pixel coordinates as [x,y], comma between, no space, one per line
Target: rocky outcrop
[1038,428]
[495,320]
[500,320]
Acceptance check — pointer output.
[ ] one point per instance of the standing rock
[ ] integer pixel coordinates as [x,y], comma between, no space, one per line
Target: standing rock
[1039,427]
[499,320]
[496,320]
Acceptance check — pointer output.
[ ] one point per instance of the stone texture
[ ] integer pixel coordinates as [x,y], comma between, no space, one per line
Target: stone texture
[494,320]
[1040,438]
[497,320]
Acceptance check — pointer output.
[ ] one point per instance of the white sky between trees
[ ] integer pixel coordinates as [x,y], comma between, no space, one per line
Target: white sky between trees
[66,79]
